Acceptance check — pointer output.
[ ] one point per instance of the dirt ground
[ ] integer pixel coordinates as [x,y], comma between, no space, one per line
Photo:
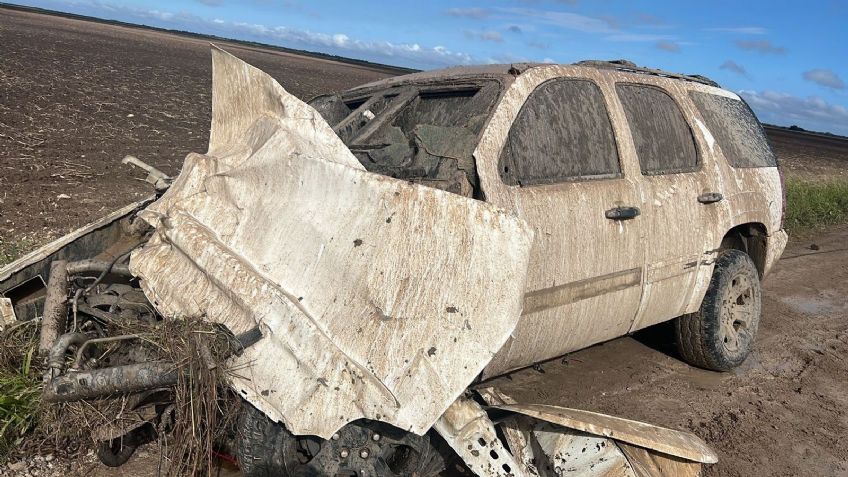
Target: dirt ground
[75,97]
[810,156]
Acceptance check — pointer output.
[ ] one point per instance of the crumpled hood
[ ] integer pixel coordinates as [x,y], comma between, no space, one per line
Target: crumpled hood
[376,298]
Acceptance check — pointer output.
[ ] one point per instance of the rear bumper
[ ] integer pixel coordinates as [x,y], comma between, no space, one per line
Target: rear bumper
[774,249]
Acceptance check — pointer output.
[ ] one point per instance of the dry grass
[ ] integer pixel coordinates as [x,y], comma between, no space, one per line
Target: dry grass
[11,251]
[201,417]
[20,385]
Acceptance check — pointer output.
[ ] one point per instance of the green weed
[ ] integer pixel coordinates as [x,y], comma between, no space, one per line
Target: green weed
[814,205]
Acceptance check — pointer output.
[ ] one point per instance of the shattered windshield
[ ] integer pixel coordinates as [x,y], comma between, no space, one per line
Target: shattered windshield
[422,134]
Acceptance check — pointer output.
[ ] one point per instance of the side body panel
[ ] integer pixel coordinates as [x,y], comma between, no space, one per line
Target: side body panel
[679,229]
[751,196]
[581,288]
[585,275]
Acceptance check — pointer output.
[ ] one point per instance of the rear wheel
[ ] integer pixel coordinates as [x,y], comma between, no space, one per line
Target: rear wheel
[362,448]
[720,335]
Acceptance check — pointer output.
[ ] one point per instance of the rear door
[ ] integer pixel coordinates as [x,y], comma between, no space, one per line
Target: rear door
[560,171]
[683,199]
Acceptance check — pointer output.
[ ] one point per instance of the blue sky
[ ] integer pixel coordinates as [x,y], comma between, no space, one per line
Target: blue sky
[788,59]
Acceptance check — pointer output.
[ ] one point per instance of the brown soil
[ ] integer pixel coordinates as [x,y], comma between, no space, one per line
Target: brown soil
[75,97]
[810,156]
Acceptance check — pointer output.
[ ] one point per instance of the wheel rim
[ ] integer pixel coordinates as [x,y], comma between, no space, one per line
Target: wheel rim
[737,314]
[370,450]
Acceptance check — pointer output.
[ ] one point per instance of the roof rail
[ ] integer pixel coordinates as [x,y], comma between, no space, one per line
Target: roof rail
[629,66]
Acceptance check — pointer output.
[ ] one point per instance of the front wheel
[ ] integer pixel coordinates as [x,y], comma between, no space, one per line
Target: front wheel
[362,448]
[720,335]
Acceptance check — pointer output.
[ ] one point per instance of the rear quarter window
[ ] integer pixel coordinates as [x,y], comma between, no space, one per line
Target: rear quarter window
[735,129]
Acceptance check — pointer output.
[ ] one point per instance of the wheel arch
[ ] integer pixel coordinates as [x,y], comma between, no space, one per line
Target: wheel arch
[751,238]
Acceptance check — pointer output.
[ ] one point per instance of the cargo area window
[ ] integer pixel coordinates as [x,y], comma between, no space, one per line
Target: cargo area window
[663,140]
[736,130]
[562,133]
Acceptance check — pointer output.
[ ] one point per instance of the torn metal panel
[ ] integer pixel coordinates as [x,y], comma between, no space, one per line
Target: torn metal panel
[60,245]
[24,280]
[568,452]
[563,441]
[676,443]
[646,463]
[468,430]
[376,298]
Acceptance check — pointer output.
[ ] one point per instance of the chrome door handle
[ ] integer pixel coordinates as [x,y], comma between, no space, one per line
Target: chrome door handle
[710,197]
[622,213]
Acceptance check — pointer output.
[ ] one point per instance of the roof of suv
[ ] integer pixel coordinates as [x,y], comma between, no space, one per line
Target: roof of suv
[461,73]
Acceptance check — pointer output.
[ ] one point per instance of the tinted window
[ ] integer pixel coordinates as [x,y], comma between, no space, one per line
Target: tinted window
[737,131]
[562,132]
[663,140]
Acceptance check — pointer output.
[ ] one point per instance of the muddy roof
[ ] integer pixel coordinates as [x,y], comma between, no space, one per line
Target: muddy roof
[501,71]
[456,73]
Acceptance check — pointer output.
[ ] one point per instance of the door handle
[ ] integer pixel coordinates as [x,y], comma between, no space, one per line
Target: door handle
[622,213]
[710,197]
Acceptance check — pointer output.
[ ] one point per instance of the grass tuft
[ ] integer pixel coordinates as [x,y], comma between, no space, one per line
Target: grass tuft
[815,205]
[11,251]
[20,385]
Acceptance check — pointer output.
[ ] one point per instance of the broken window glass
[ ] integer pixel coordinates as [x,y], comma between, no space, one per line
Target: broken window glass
[422,134]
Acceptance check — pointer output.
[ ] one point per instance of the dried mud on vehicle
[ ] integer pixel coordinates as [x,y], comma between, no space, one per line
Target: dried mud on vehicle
[781,413]
[357,294]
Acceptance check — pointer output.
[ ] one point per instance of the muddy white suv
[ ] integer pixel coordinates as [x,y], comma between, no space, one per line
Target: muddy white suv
[372,259]
[652,195]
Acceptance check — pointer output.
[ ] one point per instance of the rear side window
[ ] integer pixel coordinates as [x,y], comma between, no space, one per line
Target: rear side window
[663,140]
[563,132]
[736,129]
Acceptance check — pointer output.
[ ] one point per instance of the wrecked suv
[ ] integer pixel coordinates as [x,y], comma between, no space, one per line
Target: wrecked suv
[376,256]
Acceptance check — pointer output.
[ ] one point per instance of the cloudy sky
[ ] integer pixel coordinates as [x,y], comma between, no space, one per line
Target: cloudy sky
[788,59]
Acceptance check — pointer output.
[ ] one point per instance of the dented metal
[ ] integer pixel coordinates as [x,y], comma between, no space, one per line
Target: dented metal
[361,296]
[376,298]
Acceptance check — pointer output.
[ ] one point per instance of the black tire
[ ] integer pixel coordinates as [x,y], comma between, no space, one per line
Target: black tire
[117,452]
[266,448]
[720,335]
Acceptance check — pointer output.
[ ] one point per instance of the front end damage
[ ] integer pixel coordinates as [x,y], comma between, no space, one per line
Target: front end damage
[357,309]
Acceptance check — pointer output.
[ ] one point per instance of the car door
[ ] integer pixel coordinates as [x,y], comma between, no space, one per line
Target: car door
[683,199]
[559,170]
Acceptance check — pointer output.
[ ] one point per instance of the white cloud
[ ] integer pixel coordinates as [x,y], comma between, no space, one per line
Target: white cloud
[762,46]
[571,21]
[733,66]
[826,78]
[475,13]
[669,46]
[746,30]
[783,108]
[384,50]
[638,37]
[485,35]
